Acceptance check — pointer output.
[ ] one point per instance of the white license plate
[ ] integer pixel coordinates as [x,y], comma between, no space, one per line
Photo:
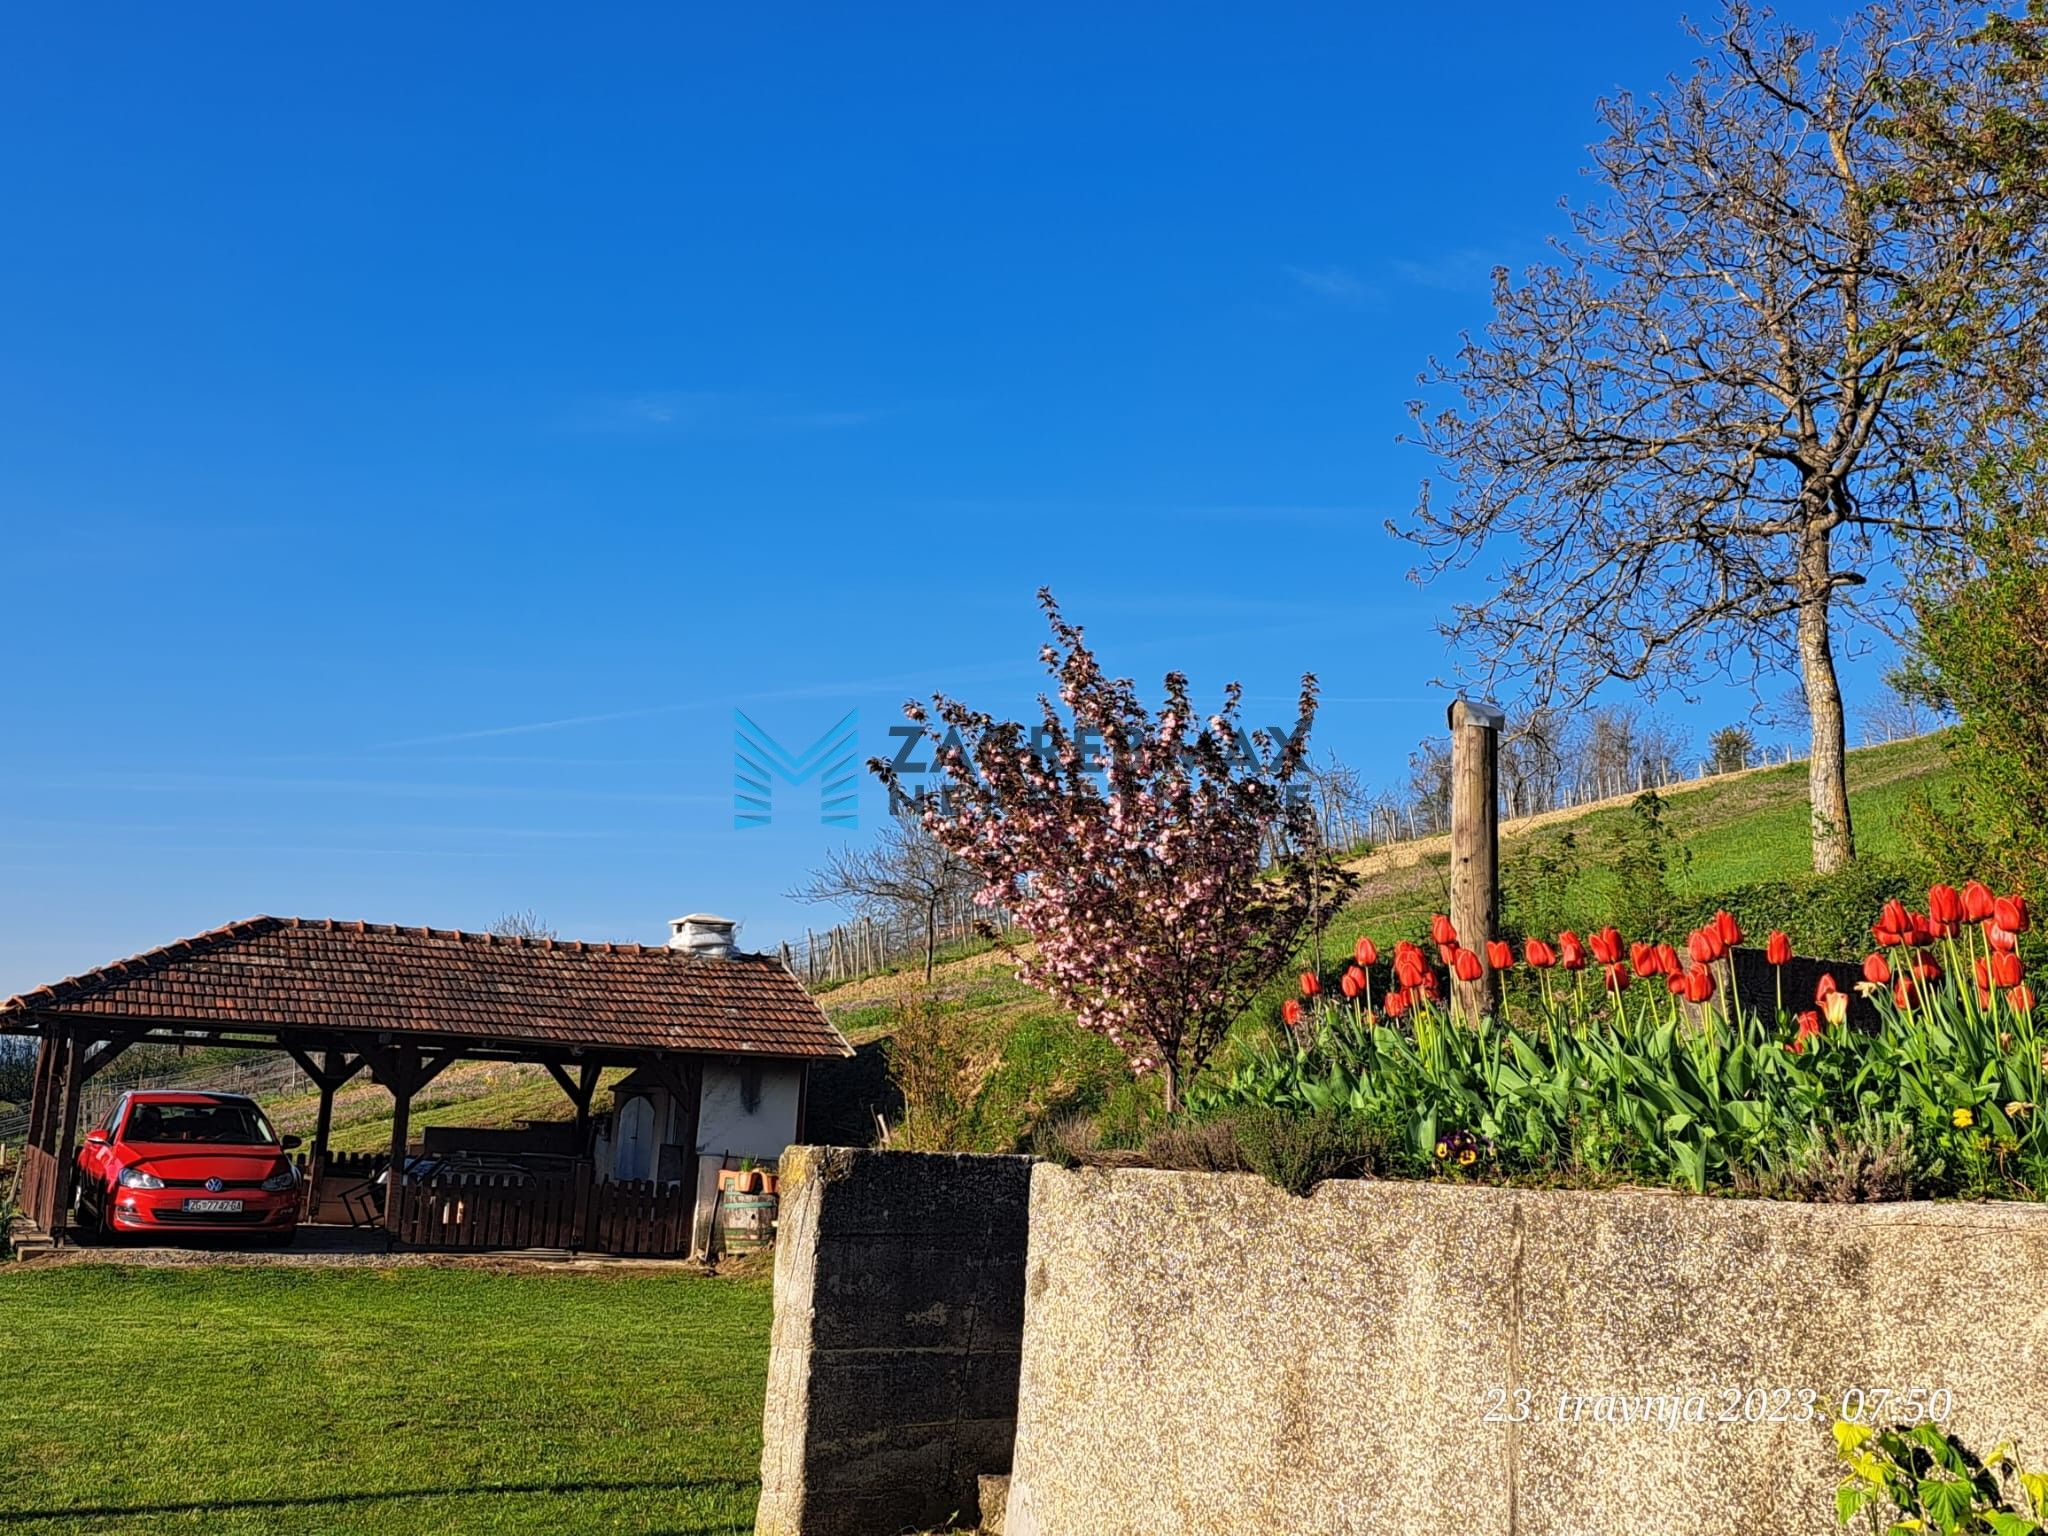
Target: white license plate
[213,1207]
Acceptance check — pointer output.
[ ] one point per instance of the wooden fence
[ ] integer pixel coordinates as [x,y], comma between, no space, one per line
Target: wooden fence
[473,1212]
[870,944]
[41,1188]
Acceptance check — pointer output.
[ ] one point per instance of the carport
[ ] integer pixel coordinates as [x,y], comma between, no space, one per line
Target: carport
[405,1004]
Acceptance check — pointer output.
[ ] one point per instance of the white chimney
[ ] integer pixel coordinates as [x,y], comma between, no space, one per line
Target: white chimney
[701,936]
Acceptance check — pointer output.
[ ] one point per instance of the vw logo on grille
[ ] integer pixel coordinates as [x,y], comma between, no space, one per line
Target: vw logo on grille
[216,1185]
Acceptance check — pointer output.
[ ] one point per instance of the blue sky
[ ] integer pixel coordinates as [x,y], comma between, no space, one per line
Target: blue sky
[420,429]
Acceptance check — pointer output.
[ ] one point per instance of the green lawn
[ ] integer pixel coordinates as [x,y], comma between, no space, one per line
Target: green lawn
[234,1400]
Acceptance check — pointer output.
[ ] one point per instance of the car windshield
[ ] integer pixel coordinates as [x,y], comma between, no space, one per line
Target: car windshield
[239,1125]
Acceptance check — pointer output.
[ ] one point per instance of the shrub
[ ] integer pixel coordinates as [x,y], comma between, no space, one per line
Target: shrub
[1932,1483]
[1826,916]
[1294,1150]
[1842,1166]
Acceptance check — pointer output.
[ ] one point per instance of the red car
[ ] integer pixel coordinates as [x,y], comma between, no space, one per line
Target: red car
[187,1162]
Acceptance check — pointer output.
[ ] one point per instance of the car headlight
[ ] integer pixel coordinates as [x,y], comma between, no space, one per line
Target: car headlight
[282,1180]
[140,1178]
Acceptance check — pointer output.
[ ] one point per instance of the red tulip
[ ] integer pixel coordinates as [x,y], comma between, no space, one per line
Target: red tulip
[1291,1011]
[1896,917]
[1539,954]
[1809,1025]
[1905,991]
[1353,982]
[1365,952]
[1978,902]
[2006,969]
[1927,970]
[1467,965]
[1571,954]
[1618,976]
[1887,938]
[1667,958]
[1606,945]
[1730,931]
[1429,986]
[1876,969]
[1409,967]
[1396,1004]
[2002,938]
[1440,929]
[1699,985]
[1500,954]
[1983,976]
[1828,985]
[1778,947]
[1705,945]
[2010,913]
[2021,998]
[1310,984]
[1644,958]
[1944,904]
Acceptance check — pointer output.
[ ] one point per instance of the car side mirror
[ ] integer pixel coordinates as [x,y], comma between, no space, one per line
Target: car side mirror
[97,1137]
[288,1142]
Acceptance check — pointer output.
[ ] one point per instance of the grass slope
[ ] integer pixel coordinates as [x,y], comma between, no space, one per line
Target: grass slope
[241,1400]
[1729,831]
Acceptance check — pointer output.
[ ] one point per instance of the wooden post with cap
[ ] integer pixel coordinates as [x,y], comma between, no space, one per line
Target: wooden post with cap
[1475,842]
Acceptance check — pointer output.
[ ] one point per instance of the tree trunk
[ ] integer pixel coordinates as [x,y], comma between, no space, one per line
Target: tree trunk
[1169,1078]
[931,938]
[1827,769]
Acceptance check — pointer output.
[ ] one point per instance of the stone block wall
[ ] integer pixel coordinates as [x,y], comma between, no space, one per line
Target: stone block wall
[899,1311]
[1209,1356]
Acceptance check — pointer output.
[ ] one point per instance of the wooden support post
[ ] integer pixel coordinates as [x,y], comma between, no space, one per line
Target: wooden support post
[67,1131]
[405,1070]
[43,1095]
[407,1065]
[1475,842]
[581,1090]
[329,1074]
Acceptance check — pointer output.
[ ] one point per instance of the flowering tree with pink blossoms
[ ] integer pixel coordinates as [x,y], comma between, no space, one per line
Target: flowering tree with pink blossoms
[1162,863]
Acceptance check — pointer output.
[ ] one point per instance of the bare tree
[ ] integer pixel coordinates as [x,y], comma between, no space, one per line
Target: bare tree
[1532,762]
[1731,749]
[1733,398]
[523,924]
[907,875]
[1343,806]
[1429,785]
[1896,716]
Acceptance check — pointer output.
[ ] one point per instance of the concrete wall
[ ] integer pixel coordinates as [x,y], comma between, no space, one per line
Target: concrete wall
[1207,1354]
[727,1128]
[892,1374]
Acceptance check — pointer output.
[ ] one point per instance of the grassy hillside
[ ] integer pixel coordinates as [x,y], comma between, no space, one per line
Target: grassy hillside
[998,1058]
[1724,833]
[1022,1060]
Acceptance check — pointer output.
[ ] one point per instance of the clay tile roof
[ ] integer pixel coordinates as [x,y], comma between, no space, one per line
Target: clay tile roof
[286,972]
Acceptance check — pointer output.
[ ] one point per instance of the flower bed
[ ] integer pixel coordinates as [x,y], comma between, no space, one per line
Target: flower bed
[1613,1061]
